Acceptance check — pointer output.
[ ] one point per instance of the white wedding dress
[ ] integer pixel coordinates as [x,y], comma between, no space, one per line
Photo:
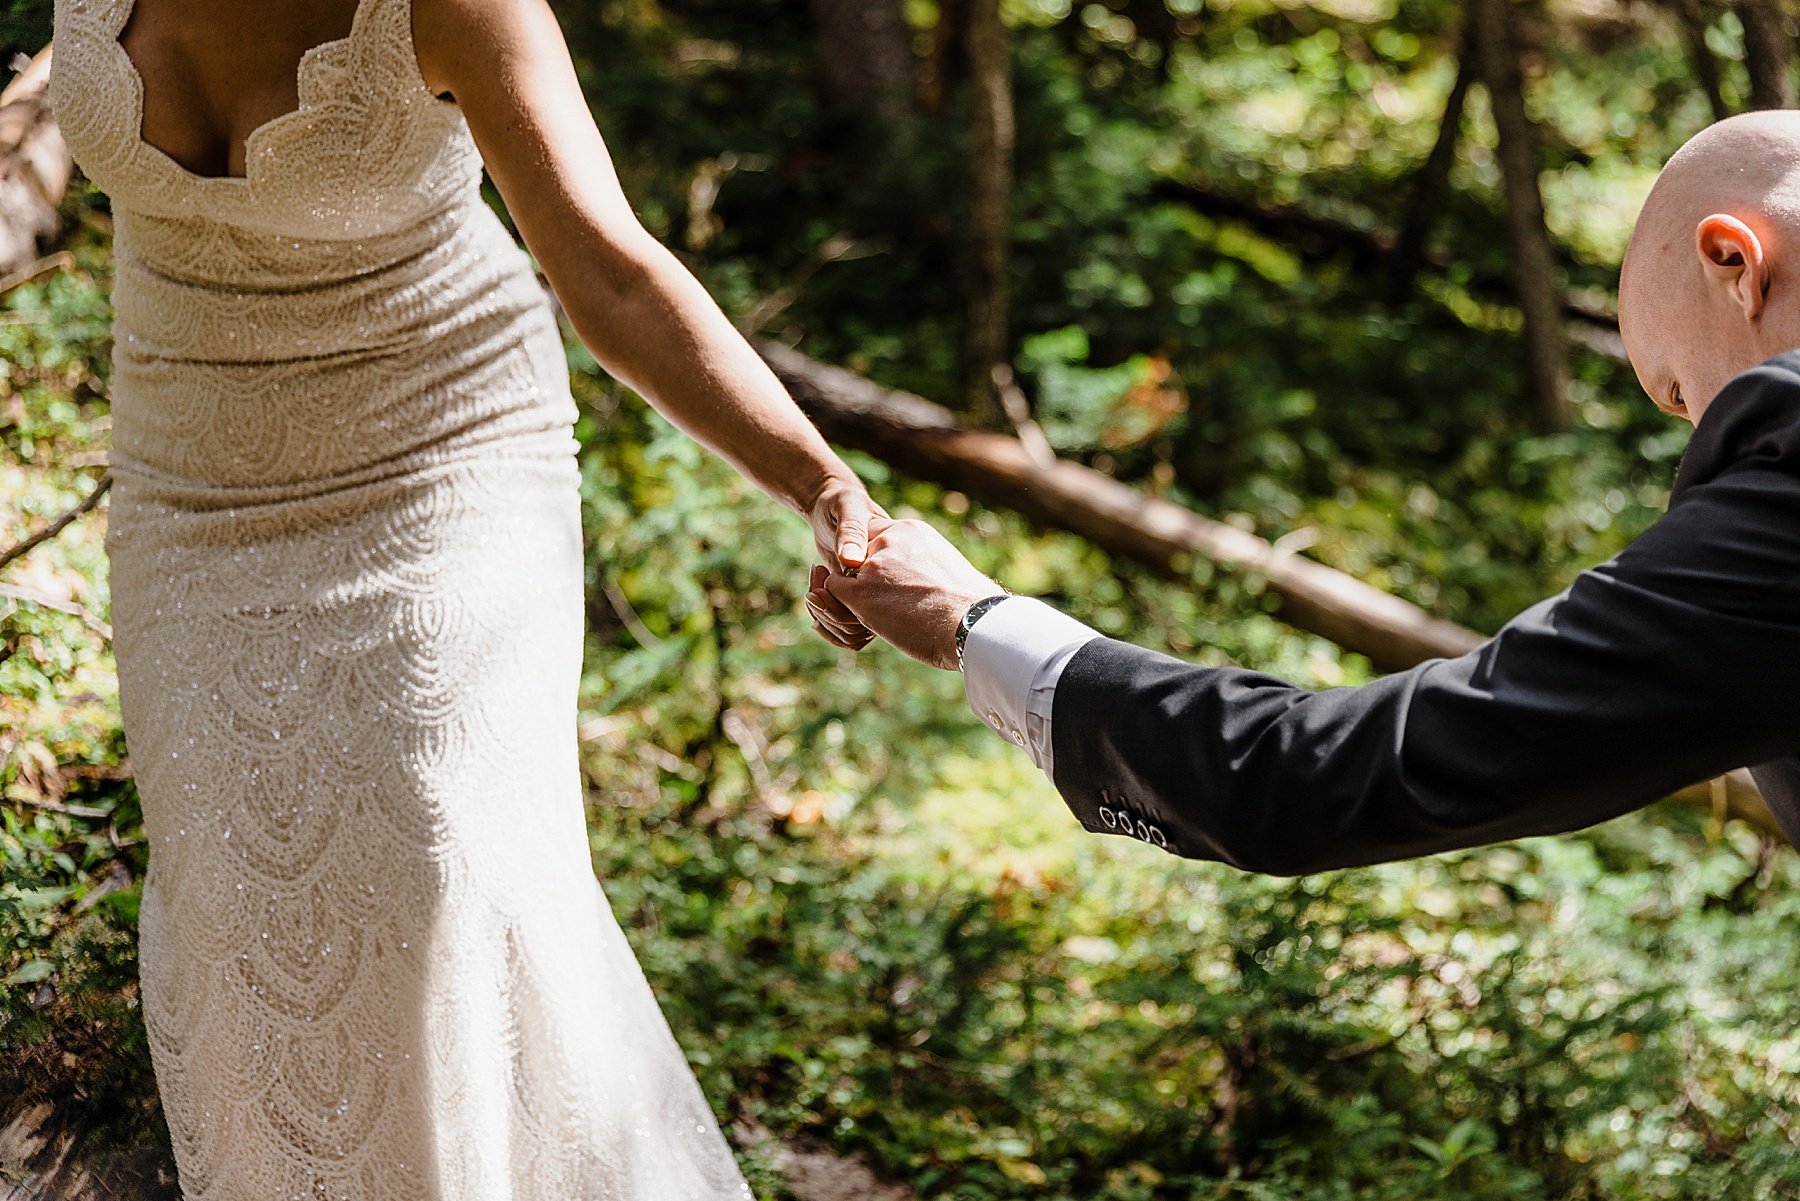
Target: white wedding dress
[346,571]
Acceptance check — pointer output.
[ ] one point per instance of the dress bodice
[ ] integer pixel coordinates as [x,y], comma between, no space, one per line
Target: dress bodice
[368,152]
[351,304]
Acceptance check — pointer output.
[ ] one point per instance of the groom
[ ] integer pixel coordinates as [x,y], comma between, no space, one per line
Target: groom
[1674,662]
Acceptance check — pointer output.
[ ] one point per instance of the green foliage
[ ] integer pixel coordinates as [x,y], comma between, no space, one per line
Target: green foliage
[871,924]
[1082,407]
[24,26]
[1112,1025]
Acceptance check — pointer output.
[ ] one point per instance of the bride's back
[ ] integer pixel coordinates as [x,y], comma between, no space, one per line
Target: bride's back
[341,307]
[208,80]
[317,109]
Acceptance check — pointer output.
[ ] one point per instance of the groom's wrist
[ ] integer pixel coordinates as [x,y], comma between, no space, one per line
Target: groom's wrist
[1010,668]
[970,615]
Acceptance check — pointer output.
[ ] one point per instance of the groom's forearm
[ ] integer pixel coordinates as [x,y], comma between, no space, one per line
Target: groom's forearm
[1561,722]
[1668,665]
[1573,715]
[1153,748]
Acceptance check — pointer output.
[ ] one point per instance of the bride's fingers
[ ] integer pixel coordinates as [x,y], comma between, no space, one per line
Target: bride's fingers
[831,606]
[853,637]
[820,629]
[844,641]
[843,633]
[824,626]
[852,539]
[848,628]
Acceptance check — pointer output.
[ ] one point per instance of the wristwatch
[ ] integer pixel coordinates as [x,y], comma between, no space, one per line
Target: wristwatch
[970,616]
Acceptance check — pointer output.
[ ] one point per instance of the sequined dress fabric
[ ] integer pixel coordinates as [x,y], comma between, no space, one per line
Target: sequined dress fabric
[347,592]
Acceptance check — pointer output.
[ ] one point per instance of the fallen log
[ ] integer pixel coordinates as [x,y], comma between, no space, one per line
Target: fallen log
[925,439]
[917,435]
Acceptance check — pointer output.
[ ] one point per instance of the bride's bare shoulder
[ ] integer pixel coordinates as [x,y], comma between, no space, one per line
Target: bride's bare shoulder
[508,67]
[457,39]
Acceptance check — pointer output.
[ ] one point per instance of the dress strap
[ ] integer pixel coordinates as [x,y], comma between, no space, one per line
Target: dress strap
[384,44]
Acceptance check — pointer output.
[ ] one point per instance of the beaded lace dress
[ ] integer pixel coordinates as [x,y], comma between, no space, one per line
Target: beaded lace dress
[346,568]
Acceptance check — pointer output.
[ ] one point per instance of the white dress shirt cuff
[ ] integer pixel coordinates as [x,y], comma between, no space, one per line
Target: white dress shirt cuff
[1011,662]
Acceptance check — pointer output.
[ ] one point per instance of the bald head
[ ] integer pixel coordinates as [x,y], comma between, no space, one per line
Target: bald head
[1711,280]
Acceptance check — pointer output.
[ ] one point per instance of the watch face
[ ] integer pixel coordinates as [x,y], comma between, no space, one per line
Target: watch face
[965,625]
[972,614]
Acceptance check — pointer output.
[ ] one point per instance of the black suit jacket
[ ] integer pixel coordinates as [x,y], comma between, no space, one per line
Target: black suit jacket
[1674,662]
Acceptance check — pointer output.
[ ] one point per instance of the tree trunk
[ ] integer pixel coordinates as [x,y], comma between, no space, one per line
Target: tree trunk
[1705,67]
[1156,24]
[35,167]
[1433,179]
[1767,48]
[947,62]
[1533,265]
[924,439]
[985,343]
[865,49]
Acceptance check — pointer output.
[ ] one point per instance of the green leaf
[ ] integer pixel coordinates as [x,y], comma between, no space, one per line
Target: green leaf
[30,972]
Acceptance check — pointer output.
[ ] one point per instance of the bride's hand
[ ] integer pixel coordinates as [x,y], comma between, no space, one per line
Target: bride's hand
[840,516]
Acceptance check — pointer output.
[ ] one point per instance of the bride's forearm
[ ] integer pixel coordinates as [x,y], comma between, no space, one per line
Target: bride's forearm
[646,319]
[651,324]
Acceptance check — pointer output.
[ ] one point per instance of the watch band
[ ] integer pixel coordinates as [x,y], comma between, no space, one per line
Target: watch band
[970,616]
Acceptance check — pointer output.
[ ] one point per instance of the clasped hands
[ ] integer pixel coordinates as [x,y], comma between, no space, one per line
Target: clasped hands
[911,588]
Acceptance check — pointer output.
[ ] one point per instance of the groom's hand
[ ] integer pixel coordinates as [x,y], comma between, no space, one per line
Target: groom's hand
[912,590]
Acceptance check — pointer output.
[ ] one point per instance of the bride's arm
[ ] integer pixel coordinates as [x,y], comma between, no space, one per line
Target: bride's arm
[645,317]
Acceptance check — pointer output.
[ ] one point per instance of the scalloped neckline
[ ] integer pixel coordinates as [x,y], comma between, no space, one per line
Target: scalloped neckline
[302,109]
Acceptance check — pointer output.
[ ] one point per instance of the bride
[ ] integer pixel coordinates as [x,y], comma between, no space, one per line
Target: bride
[346,571]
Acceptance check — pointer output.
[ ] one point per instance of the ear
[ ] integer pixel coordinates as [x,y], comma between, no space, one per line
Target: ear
[1732,256]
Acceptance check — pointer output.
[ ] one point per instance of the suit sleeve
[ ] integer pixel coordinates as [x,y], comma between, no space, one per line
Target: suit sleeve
[1674,662]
